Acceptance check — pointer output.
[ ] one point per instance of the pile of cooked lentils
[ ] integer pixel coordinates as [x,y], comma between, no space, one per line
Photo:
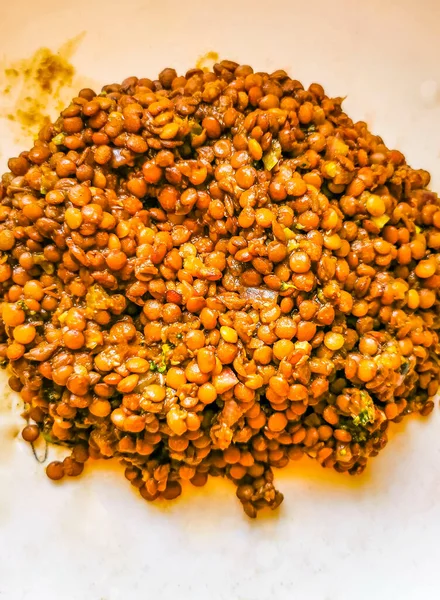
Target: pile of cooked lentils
[216,274]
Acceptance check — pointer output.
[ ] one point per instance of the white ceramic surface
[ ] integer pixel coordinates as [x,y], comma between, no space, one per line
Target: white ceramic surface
[334,538]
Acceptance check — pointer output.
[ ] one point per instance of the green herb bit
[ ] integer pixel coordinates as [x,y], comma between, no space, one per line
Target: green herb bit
[48,267]
[22,304]
[272,156]
[51,395]
[292,245]
[381,221]
[287,286]
[367,412]
[321,296]
[290,235]
[58,140]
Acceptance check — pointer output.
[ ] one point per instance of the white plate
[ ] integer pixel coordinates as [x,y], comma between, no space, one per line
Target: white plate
[334,537]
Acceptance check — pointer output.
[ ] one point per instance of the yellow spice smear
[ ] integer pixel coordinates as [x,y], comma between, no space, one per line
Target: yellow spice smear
[207,61]
[34,89]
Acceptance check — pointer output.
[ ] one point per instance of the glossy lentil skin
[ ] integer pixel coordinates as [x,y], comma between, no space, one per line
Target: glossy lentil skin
[215,274]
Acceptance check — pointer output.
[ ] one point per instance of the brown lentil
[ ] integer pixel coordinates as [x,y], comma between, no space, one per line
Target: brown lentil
[55,470]
[221,272]
[30,433]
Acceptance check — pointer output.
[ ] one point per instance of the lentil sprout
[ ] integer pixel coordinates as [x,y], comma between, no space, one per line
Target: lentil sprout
[215,274]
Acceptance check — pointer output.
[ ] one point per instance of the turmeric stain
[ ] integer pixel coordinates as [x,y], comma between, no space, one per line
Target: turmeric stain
[207,61]
[34,89]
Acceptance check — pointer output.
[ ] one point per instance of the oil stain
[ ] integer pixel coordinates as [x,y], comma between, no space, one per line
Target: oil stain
[35,88]
[207,61]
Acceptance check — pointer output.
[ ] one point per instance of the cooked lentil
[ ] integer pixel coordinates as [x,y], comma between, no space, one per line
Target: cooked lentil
[214,274]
